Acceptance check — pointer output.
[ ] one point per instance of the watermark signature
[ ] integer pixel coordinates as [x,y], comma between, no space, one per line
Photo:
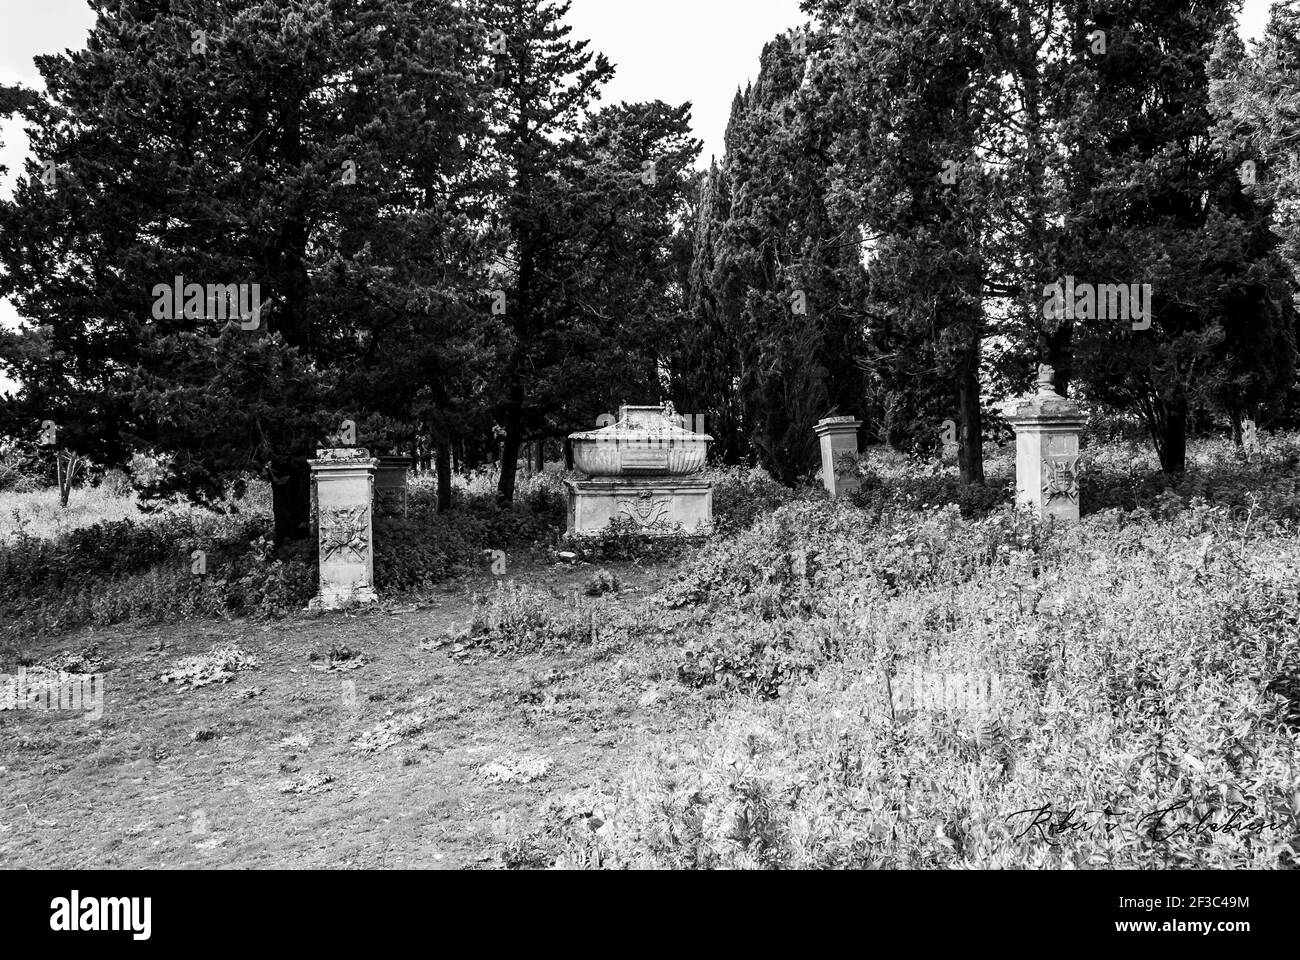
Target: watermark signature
[212,301]
[1068,300]
[1051,825]
[42,689]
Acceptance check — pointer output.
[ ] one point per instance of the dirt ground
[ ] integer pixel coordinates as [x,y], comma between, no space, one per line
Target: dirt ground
[290,766]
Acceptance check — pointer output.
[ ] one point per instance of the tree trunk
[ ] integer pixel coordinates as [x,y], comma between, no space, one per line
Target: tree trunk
[513,423]
[568,454]
[443,456]
[970,443]
[1059,353]
[509,461]
[291,499]
[1173,445]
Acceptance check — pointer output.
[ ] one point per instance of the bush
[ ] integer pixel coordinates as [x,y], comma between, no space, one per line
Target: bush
[416,553]
[1183,715]
[116,483]
[806,556]
[601,583]
[1148,663]
[123,571]
[515,619]
[741,495]
[20,468]
[148,470]
[763,659]
[623,541]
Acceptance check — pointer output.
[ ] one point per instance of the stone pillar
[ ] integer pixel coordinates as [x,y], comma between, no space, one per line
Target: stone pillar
[838,435]
[1047,429]
[390,486]
[344,480]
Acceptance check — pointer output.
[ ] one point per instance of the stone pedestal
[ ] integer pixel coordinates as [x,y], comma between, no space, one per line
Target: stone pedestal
[656,506]
[1047,429]
[344,480]
[390,486]
[838,435]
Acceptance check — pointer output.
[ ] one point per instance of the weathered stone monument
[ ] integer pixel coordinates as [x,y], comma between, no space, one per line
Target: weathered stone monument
[390,486]
[344,479]
[1047,429]
[639,470]
[839,439]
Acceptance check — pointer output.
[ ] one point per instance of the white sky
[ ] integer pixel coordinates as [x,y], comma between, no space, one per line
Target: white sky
[671,50]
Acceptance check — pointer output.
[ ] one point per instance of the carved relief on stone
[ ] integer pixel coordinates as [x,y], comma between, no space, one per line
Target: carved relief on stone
[344,530]
[1061,478]
[390,500]
[646,511]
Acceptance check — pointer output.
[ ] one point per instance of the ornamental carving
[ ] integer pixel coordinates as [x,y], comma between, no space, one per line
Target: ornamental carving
[344,534]
[1061,479]
[390,500]
[646,511]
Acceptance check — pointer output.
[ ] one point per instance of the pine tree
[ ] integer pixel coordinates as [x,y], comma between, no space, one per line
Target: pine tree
[254,146]
[777,285]
[1164,207]
[583,208]
[915,90]
[1255,100]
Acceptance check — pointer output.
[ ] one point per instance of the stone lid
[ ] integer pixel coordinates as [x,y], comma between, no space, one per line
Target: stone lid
[343,453]
[643,423]
[836,424]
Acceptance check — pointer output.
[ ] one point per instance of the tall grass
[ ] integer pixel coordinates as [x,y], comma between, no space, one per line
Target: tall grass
[1149,669]
[38,514]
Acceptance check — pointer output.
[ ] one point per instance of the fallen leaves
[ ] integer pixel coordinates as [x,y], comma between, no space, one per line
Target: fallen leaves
[516,768]
[219,665]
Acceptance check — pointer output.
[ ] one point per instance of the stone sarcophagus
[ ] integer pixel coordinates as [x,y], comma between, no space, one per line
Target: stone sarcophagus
[1047,429]
[639,472]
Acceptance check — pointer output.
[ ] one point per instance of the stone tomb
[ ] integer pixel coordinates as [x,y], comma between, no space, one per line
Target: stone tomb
[639,470]
[1047,429]
[344,479]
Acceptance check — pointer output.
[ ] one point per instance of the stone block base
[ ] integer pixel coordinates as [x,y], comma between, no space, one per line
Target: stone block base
[337,600]
[658,506]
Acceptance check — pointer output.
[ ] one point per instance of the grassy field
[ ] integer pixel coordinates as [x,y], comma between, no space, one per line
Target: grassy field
[767,699]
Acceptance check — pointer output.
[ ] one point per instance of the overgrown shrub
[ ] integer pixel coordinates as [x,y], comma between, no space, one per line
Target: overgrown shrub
[123,571]
[1148,666]
[623,541]
[20,467]
[115,483]
[743,494]
[763,659]
[601,583]
[416,553]
[517,619]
